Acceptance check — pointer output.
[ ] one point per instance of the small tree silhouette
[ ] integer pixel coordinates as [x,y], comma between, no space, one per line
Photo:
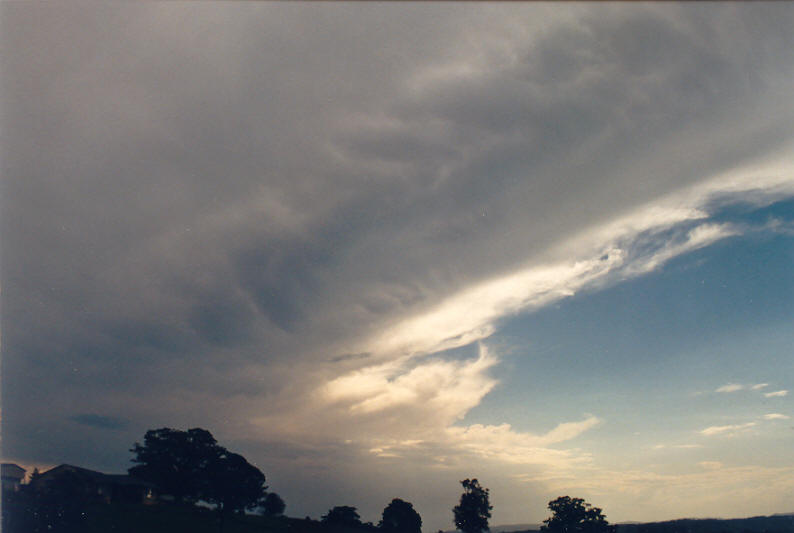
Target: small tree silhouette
[273,505]
[474,509]
[573,515]
[400,517]
[342,515]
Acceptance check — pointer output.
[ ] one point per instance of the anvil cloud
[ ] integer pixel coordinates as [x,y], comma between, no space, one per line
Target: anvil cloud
[320,230]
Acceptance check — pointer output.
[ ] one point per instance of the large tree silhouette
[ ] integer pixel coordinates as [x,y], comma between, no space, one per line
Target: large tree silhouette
[177,461]
[474,509]
[400,517]
[573,515]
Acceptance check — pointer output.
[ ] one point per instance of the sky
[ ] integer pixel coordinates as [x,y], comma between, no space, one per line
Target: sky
[381,248]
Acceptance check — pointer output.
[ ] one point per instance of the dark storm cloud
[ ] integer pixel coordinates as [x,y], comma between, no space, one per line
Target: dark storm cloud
[202,202]
[100,421]
[586,129]
[349,357]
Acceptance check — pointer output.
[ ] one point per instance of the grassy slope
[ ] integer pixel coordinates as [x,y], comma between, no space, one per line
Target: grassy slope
[120,518]
[130,518]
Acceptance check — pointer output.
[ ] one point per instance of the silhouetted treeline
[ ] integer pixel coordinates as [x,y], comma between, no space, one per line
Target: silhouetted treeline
[176,470]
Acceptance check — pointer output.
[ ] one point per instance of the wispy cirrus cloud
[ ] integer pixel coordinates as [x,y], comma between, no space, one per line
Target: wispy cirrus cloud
[776,416]
[736,429]
[509,445]
[457,446]
[776,394]
[677,446]
[730,387]
[735,387]
[730,429]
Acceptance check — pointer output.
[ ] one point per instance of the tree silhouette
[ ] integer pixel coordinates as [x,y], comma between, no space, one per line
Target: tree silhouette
[342,515]
[573,515]
[400,517]
[233,484]
[273,505]
[474,509]
[177,461]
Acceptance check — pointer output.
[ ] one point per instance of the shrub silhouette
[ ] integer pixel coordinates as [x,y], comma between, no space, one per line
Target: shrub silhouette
[342,515]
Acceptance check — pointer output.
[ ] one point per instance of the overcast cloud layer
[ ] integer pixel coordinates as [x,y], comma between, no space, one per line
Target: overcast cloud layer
[299,225]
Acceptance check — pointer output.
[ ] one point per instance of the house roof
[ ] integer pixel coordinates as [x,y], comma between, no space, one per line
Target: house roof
[12,470]
[61,469]
[97,477]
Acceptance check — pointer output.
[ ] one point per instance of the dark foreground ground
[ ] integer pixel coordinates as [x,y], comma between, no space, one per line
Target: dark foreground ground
[134,518]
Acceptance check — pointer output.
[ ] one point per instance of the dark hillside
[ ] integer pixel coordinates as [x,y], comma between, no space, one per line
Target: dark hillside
[757,524]
[138,518]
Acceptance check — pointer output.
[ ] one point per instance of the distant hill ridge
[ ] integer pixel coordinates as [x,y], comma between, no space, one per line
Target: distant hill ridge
[776,523]
[509,528]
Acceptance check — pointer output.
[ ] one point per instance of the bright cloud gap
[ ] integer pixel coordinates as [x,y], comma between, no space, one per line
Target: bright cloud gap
[636,243]
[412,375]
